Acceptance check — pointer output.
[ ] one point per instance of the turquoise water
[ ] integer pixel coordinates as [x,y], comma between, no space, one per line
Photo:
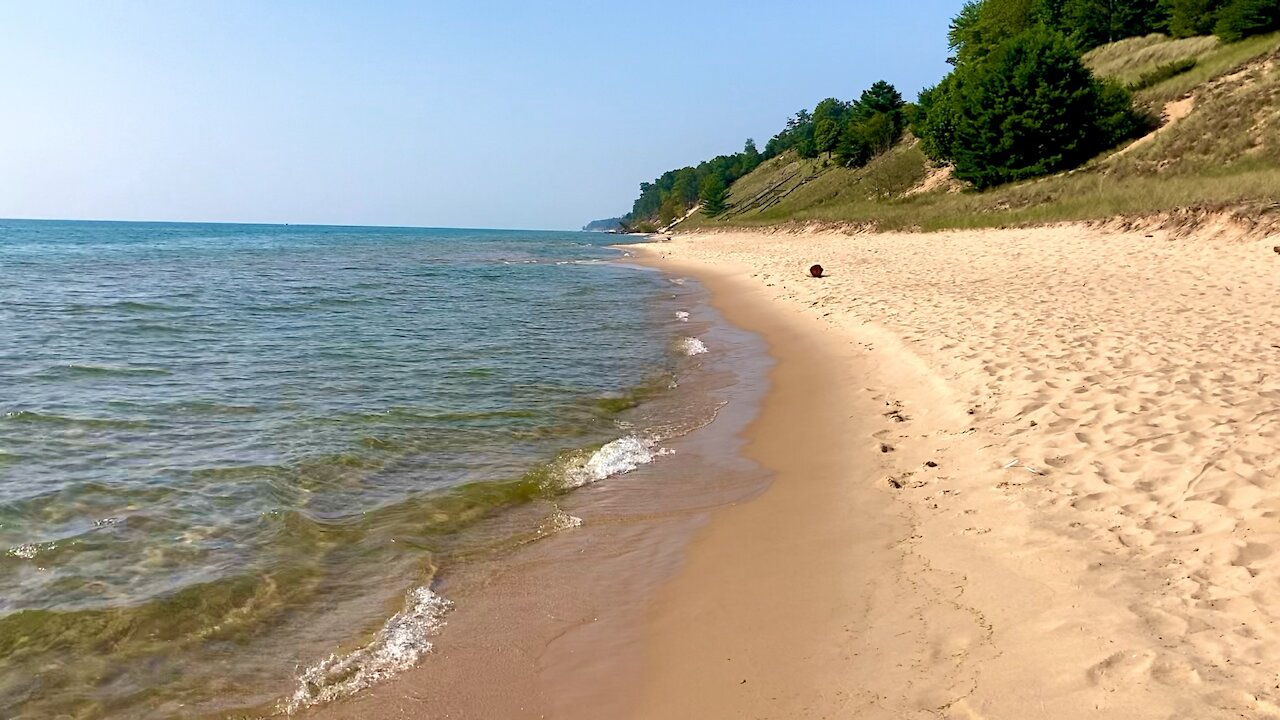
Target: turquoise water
[227,451]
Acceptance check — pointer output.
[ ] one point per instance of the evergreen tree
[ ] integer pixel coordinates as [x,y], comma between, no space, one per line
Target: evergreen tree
[713,195]
[1032,108]
[1090,23]
[1239,19]
[983,25]
[1188,18]
[881,97]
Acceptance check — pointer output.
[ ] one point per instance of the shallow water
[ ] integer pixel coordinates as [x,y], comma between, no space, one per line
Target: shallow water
[229,451]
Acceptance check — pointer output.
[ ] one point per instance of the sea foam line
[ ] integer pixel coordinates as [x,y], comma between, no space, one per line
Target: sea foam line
[398,646]
[613,458]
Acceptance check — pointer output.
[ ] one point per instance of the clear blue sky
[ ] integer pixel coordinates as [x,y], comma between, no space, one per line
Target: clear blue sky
[451,114]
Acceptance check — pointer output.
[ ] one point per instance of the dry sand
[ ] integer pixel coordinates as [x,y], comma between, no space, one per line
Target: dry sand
[903,565]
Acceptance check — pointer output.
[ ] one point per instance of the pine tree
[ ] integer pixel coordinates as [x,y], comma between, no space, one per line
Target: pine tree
[1032,108]
[713,195]
[1239,19]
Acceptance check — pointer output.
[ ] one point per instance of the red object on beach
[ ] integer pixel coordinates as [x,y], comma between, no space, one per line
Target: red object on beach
[816,271]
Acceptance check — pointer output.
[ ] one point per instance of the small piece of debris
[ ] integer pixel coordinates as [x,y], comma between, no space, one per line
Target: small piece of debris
[930,463]
[896,483]
[886,448]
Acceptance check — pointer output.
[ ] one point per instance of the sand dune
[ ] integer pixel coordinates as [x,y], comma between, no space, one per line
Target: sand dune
[1082,428]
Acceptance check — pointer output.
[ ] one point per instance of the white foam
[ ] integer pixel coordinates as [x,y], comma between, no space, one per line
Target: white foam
[615,458]
[682,316]
[559,521]
[401,642]
[692,346]
[26,551]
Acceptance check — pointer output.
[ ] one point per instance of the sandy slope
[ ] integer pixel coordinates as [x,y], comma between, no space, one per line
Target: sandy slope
[1125,567]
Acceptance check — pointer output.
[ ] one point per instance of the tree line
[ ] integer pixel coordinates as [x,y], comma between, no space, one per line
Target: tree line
[1018,102]
[849,133]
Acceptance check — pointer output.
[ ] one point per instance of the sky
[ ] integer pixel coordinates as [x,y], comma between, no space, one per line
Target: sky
[436,114]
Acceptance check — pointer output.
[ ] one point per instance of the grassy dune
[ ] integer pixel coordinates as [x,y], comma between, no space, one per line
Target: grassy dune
[1224,154]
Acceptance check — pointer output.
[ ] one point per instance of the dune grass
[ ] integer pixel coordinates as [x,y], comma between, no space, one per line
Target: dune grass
[1128,60]
[1219,60]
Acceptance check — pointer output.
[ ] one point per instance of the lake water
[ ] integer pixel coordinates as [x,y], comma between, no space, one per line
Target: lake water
[233,458]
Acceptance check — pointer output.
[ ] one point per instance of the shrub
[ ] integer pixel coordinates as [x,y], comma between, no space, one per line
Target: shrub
[1031,108]
[1162,73]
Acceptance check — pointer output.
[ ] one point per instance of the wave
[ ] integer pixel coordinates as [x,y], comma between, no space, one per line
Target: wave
[398,646]
[126,306]
[27,416]
[78,369]
[614,458]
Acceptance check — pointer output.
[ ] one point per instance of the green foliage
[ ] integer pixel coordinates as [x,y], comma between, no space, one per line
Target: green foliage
[881,97]
[1091,23]
[1029,109]
[828,118]
[713,194]
[874,124]
[934,120]
[670,196]
[853,150]
[1187,18]
[983,25]
[1239,19]
[1162,73]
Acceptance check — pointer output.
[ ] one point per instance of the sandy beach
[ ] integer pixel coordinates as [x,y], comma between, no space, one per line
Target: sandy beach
[1023,473]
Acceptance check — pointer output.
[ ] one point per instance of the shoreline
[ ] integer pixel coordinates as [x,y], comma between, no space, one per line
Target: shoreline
[550,628]
[1061,436]
[758,623]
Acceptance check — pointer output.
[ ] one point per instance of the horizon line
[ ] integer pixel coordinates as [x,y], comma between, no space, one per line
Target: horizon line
[280,224]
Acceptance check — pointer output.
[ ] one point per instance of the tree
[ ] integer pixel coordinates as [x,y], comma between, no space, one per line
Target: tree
[686,187]
[670,211]
[1090,23]
[983,25]
[880,132]
[800,130]
[964,30]
[1239,19]
[713,195]
[1188,18]
[828,117]
[935,120]
[853,150]
[1032,108]
[881,97]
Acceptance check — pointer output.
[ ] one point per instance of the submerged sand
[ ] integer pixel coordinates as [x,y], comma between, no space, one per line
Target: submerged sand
[1024,473]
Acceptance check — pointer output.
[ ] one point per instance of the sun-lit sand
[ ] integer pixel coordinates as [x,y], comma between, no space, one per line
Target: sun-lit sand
[1054,490]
